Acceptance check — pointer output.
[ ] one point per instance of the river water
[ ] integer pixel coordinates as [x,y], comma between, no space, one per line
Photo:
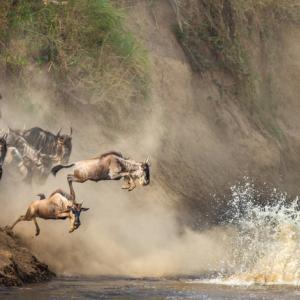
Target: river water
[155,289]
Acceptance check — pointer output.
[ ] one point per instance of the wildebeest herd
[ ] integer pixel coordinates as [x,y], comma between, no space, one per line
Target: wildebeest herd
[37,153]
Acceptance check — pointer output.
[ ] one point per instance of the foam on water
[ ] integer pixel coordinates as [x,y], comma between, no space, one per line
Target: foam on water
[266,246]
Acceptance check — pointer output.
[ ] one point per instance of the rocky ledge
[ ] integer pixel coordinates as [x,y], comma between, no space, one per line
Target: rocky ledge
[17,264]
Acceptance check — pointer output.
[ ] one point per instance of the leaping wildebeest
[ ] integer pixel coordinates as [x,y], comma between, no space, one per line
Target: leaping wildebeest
[59,145]
[108,166]
[3,151]
[58,206]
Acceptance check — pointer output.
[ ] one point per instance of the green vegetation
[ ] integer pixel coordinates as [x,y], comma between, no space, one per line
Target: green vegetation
[223,34]
[82,45]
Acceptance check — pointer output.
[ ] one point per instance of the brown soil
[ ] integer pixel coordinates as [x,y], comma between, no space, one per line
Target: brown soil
[204,130]
[17,264]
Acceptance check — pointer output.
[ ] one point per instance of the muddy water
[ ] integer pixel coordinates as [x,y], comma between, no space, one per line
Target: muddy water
[154,289]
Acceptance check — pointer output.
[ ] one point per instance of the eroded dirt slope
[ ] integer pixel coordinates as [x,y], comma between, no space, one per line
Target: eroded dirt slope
[208,140]
[17,264]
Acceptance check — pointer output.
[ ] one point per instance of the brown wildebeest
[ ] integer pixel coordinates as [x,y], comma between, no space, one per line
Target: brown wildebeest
[58,206]
[108,166]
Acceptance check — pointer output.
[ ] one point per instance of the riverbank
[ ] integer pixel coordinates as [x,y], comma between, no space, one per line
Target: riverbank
[17,264]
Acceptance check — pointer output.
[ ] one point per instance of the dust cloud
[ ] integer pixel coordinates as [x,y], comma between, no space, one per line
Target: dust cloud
[124,233]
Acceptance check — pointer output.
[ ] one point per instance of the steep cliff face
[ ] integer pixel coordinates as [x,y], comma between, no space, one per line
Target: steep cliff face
[210,135]
[17,264]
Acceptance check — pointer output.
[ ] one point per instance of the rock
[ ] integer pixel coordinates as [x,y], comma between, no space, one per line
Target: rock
[17,264]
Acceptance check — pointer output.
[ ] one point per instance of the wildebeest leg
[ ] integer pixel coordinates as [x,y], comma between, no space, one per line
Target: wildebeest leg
[21,218]
[71,178]
[28,178]
[72,192]
[132,184]
[37,231]
[119,175]
[62,215]
[126,184]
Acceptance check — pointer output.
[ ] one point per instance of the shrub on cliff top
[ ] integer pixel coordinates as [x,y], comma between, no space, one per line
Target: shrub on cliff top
[83,45]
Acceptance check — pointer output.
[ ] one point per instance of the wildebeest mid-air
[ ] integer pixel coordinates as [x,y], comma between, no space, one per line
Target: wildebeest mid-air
[58,206]
[3,151]
[108,166]
[48,143]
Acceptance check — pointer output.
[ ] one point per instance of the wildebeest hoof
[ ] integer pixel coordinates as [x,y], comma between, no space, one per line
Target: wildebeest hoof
[37,233]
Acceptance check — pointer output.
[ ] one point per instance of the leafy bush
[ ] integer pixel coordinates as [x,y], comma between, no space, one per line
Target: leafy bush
[83,45]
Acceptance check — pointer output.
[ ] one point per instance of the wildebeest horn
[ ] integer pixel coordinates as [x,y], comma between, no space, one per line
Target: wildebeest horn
[147,161]
[58,133]
[71,131]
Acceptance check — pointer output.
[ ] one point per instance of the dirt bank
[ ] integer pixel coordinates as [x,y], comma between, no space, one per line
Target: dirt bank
[208,138]
[18,265]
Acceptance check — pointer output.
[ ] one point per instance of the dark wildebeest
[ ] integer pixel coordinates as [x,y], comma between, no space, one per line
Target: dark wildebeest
[24,164]
[108,166]
[59,145]
[3,151]
[23,147]
[29,160]
[58,206]
[32,163]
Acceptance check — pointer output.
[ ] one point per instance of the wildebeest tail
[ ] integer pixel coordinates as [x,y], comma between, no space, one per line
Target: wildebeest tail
[42,196]
[55,169]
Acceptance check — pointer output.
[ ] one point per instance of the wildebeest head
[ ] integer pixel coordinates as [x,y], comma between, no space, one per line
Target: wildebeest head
[143,173]
[64,142]
[75,210]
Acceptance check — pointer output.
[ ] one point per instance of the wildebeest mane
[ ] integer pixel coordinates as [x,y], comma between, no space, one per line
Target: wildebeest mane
[63,193]
[119,154]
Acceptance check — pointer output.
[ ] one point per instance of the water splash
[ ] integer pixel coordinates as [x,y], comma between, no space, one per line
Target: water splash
[266,246]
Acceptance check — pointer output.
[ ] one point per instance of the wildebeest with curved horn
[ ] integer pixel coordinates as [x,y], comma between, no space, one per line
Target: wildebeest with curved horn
[108,166]
[3,151]
[58,206]
[49,143]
